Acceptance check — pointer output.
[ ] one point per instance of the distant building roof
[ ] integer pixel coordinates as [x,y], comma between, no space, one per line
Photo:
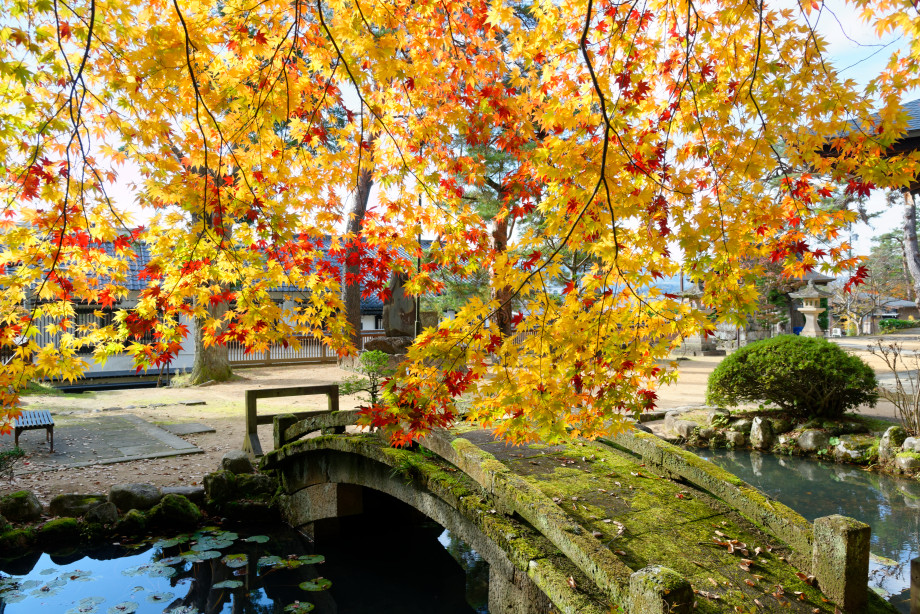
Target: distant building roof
[913,123]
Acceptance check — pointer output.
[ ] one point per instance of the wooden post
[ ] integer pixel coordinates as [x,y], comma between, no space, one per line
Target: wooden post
[251,443]
[915,586]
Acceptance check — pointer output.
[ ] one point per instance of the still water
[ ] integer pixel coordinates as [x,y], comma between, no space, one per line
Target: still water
[890,505]
[366,565]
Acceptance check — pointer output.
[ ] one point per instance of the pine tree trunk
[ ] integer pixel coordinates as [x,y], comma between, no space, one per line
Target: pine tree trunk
[911,250]
[502,318]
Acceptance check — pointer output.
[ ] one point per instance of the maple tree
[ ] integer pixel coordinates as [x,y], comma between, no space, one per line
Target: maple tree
[639,133]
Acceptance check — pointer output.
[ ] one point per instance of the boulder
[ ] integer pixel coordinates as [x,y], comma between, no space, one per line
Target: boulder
[134,524]
[237,461]
[103,513]
[762,437]
[685,428]
[706,433]
[742,425]
[781,425]
[21,506]
[911,444]
[389,345]
[174,511]
[219,486]
[195,494]
[135,496]
[73,505]
[891,443]
[255,486]
[908,463]
[813,440]
[58,533]
[718,417]
[850,450]
[735,439]
[17,541]
[669,419]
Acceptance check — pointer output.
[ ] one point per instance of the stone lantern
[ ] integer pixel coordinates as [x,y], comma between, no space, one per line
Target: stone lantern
[811,308]
[697,345]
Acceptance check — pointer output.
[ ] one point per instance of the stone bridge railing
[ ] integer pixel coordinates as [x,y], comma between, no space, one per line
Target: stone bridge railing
[835,549]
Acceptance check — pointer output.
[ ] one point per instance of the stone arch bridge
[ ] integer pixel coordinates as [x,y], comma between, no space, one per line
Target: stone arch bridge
[630,524]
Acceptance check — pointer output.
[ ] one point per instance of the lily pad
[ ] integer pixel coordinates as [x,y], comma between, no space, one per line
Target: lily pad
[169,543]
[125,607]
[87,605]
[172,560]
[235,560]
[312,559]
[299,607]
[161,571]
[227,584]
[256,539]
[208,543]
[316,584]
[14,597]
[160,597]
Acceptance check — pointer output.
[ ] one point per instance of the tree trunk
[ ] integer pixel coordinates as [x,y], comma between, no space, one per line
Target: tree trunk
[353,271]
[905,272]
[211,362]
[502,317]
[911,250]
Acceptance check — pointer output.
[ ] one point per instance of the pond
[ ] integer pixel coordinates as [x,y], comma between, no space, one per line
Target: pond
[813,488]
[366,566]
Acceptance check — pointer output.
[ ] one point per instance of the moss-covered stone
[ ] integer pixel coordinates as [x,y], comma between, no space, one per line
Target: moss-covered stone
[21,506]
[255,486]
[174,512]
[219,487]
[132,524]
[58,533]
[16,541]
[74,505]
[93,532]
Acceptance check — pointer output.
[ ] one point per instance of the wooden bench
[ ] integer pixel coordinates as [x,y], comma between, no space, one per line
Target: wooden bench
[35,419]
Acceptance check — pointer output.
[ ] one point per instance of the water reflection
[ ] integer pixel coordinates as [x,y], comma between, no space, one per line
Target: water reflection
[890,505]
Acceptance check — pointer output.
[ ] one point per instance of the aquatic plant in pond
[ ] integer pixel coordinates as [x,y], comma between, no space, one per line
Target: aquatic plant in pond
[209,571]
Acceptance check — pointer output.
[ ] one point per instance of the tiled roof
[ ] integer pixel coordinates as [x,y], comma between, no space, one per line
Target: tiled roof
[371,304]
[913,110]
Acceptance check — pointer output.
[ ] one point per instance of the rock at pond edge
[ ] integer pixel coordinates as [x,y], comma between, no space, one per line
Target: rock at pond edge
[21,506]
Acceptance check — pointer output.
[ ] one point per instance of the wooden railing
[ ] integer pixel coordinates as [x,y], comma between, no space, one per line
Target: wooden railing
[311,350]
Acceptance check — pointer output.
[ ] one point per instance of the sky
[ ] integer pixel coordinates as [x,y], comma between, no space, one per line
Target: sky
[853,48]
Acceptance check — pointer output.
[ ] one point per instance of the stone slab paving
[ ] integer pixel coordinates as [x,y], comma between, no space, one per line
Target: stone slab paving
[646,519]
[188,428]
[97,440]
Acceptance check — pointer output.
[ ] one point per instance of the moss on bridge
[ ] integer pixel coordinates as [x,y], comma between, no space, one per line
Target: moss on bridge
[639,516]
[646,519]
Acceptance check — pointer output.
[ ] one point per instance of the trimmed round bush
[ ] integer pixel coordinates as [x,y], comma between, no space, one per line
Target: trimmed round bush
[805,376]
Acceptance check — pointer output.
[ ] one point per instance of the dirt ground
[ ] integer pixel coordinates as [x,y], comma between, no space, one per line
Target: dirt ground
[224,411]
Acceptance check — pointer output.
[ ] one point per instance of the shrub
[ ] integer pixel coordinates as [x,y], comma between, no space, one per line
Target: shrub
[889,325]
[805,376]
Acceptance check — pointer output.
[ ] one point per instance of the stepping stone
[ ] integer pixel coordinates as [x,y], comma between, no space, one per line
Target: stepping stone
[187,428]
